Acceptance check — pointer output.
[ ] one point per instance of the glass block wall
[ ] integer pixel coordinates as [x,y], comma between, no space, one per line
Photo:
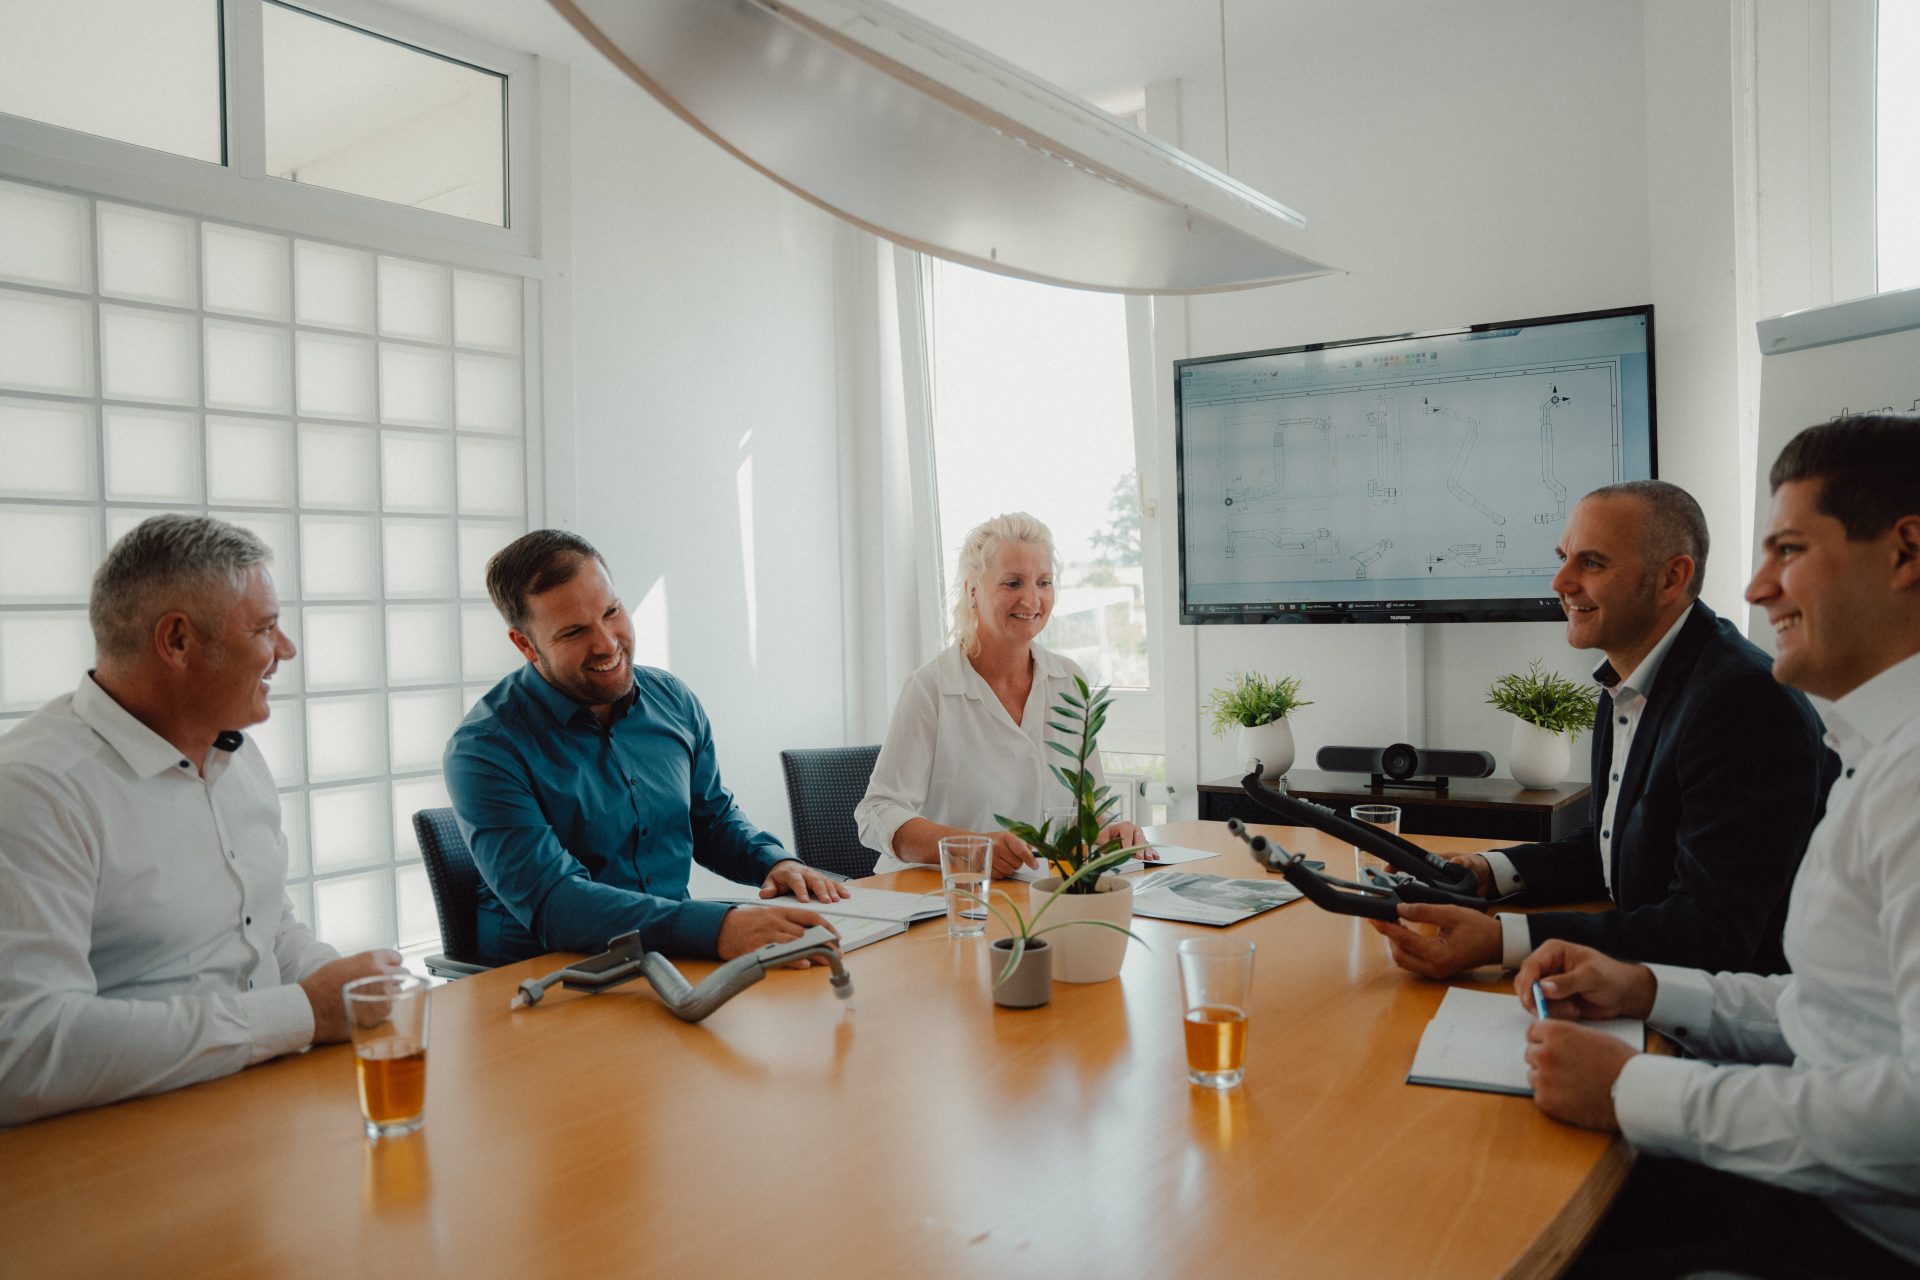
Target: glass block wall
[362,413]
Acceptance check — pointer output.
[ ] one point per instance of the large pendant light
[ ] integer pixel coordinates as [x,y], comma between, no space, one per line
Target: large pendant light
[933,143]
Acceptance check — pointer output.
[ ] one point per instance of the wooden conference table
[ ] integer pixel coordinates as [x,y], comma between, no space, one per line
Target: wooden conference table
[923,1132]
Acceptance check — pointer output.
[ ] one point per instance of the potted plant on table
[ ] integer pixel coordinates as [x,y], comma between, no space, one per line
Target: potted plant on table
[1080,891]
[1548,711]
[1259,707]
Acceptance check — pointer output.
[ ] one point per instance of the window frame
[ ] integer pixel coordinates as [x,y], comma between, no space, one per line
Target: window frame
[241,190]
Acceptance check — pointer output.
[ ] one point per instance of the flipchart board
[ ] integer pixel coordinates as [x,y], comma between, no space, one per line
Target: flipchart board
[1829,362]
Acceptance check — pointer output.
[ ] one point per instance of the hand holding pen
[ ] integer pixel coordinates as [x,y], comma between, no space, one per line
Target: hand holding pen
[1567,981]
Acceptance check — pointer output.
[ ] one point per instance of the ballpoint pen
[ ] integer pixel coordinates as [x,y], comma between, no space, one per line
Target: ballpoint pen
[1539,1002]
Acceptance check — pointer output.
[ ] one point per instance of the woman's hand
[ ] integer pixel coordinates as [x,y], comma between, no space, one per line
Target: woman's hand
[1129,836]
[1010,853]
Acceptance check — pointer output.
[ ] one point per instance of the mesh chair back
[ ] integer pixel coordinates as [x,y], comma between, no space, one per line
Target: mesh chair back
[454,879]
[823,786]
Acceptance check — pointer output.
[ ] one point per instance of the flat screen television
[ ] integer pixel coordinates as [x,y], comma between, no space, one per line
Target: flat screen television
[1414,478]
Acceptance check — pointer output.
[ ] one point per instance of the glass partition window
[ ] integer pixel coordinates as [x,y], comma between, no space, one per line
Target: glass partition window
[355,112]
[308,391]
[1032,412]
[139,71]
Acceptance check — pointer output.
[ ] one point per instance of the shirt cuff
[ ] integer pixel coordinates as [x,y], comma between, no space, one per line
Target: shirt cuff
[1649,1097]
[1682,1003]
[691,929]
[1516,939]
[1507,880]
[279,1020]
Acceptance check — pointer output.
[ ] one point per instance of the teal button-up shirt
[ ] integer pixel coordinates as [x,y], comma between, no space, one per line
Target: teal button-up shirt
[583,832]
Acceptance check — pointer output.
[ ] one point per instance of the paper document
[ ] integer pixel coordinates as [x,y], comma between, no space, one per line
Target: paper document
[876,904]
[1170,855]
[1478,1040]
[857,931]
[1203,899]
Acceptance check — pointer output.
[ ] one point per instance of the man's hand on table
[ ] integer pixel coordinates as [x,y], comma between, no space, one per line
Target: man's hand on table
[323,989]
[745,929]
[1130,837]
[796,878]
[1481,868]
[1464,939]
[1572,1068]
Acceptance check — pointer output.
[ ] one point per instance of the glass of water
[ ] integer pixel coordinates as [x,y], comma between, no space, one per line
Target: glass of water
[966,862]
[1379,815]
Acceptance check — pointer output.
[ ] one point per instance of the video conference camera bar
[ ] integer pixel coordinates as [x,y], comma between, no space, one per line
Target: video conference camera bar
[1399,765]
[1419,876]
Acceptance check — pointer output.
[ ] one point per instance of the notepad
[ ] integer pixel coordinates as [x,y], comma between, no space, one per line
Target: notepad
[1478,1040]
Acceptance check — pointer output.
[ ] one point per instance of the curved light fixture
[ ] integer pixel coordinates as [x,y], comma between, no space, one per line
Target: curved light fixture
[930,142]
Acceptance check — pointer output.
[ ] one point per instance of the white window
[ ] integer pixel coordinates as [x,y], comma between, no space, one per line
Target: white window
[362,412]
[1033,410]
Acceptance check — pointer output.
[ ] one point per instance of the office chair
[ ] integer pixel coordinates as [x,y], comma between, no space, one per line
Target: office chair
[455,880]
[823,786]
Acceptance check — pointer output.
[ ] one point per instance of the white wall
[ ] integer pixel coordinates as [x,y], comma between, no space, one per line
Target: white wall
[702,456]
[1467,161]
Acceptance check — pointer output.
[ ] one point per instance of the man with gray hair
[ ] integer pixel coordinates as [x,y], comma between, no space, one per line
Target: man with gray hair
[146,936]
[1708,776]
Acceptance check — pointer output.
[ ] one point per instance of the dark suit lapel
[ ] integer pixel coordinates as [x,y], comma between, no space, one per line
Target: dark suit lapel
[1669,684]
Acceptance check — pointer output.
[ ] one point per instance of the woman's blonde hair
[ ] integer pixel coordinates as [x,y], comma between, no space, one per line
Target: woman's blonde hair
[976,553]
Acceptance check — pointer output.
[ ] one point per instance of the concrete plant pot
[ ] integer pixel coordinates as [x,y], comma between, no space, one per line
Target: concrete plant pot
[1030,985]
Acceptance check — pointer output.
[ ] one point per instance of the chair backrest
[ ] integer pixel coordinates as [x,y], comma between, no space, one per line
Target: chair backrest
[823,786]
[454,879]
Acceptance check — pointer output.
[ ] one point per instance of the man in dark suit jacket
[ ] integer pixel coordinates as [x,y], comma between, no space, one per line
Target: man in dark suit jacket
[1708,776]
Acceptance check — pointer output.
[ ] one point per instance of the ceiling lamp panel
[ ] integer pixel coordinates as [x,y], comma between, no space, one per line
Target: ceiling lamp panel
[933,143]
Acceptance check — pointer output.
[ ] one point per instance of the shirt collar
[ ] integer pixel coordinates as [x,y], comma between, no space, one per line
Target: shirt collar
[957,676]
[1641,681]
[557,704]
[1866,717]
[146,752]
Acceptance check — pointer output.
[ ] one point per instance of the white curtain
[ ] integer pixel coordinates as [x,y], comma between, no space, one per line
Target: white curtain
[892,615]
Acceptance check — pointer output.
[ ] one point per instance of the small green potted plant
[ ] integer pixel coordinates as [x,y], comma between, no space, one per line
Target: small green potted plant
[1259,708]
[1548,711]
[1079,891]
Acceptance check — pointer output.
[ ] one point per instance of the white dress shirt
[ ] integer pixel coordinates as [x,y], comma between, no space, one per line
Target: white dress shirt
[954,756]
[145,929]
[1835,1109]
[1629,703]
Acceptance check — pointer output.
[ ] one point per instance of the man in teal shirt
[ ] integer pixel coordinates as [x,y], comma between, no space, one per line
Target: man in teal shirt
[586,786]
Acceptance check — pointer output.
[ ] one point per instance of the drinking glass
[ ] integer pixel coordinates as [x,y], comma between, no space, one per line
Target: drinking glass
[387,1015]
[1380,815]
[1216,980]
[966,862]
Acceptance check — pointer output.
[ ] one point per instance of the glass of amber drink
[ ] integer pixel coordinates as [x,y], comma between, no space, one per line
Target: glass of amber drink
[387,1015]
[1216,979]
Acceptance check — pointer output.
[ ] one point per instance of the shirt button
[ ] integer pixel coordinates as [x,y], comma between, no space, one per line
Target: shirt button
[186,764]
[1849,773]
[249,920]
[1623,719]
[1616,777]
[249,984]
[232,854]
[1606,835]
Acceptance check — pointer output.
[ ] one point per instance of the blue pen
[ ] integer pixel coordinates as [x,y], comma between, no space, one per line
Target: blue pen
[1539,1002]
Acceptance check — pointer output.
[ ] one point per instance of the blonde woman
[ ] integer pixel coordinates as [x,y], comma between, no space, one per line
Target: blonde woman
[969,735]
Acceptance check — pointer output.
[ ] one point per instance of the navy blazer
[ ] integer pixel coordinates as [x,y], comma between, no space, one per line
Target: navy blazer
[1726,779]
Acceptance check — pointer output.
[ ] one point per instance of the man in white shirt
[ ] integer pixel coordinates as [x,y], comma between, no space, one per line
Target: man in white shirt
[1707,774]
[1805,1111]
[146,936]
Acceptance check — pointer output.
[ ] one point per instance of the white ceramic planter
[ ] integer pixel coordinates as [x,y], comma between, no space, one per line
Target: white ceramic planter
[1085,952]
[1536,757]
[1271,744]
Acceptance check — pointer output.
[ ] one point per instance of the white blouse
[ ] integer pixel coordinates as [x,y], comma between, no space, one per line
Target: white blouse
[954,756]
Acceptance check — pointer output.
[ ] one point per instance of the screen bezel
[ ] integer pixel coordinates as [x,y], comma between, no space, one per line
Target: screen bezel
[1478,609]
